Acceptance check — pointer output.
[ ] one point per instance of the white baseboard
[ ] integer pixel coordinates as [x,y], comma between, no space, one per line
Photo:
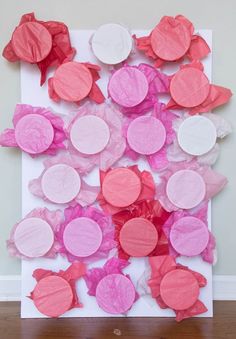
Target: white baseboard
[224,287]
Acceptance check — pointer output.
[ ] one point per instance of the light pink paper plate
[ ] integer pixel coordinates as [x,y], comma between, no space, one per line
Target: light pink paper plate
[33,237]
[146,135]
[115,294]
[82,237]
[128,86]
[34,133]
[60,183]
[189,236]
[90,134]
[186,189]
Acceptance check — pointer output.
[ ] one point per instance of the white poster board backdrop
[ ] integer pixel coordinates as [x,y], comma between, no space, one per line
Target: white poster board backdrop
[33,94]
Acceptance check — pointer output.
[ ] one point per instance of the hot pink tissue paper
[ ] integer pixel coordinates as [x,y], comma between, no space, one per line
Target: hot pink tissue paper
[177,287]
[44,43]
[55,293]
[86,234]
[61,182]
[114,291]
[135,88]
[173,39]
[222,128]
[34,236]
[154,144]
[95,136]
[191,89]
[185,185]
[188,234]
[74,81]
[36,131]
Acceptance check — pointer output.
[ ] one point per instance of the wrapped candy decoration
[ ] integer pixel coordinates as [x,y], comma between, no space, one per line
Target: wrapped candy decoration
[154,144]
[191,89]
[123,186]
[55,293]
[173,39]
[95,136]
[114,291]
[36,131]
[44,43]
[197,138]
[34,236]
[139,230]
[188,234]
[185,185]
[111,43]
[61,182]
[74,81]
[135,88]
[86,234]
[177,287]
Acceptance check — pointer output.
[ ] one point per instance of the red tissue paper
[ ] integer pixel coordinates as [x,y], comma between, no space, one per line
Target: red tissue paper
[177,287]
[44,43]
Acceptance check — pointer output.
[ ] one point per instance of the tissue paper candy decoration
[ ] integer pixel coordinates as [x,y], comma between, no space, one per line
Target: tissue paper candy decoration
[121,187]
[196,138]
[171,40]
[135,88]
[86,234]
[190,88]
[44,43]
[153,144]
[74,81]
[139,230]
[185,185]
[55,293]
[36,131]
[114,291]
[95,136]
[34,236]
[111,43]
[177,287]
[188,234]
[61,183]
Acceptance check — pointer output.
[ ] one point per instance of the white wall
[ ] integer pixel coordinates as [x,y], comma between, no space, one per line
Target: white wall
[218,15]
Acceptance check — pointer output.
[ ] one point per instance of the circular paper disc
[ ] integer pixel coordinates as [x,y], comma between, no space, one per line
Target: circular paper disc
[146,135]
[31,42]
[112,44]
[128,86]
[90,134]
[34,133]
[53,296]
[197,135]
[179,289]
[189,236]
[33,237]
[186,189]
[60,183]
[82,237]
[170,40]
[72,81]
[138,237]
[189,87]
[121,187]
[115,293]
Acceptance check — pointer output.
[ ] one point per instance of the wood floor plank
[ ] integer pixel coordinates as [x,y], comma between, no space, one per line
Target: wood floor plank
[222,326]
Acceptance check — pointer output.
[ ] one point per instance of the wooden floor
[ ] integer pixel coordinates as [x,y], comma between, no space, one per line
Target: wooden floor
[223,325]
